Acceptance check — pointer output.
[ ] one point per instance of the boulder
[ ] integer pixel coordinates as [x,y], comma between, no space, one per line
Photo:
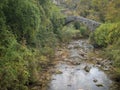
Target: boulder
[87,68]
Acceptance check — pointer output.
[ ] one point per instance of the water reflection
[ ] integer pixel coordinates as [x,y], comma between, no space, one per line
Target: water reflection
[75,77]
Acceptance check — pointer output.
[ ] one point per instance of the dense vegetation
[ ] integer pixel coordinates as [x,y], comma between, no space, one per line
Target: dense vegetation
[29,32]
[102,10]
[108,34]
[31,29]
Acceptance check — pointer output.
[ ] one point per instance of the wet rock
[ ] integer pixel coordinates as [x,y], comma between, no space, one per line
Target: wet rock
[99,59]
[76,63]
[74,56]
[58,72]
[82,54]
[99,85]
[95,80]
[78,69]
[69,85]
[53,79]
[105,68]
[87,68]
[76,46]
[66,67]
[70,47]
[98,66]
[98,62]
[66,59]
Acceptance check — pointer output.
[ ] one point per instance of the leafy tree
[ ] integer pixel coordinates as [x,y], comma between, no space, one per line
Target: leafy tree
[27,39]
[23,19]
[112,11]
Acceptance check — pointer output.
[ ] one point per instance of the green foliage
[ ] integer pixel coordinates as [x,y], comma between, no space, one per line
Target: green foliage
[113,52]
[68,33]
[77,25]
[29,31]
[112,11]
[23,18]
[84,32]
[13,72]
[57,21]
[92,9]
[75,31]
[106,34]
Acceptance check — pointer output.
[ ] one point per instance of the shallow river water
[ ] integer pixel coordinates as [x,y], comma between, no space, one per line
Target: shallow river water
[80,75]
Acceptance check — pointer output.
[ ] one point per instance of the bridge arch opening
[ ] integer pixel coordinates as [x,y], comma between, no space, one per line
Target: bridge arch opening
[90,24]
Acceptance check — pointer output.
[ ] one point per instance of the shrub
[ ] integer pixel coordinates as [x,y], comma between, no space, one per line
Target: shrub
[106,34]
[82,28]
[113,52]
[84,31]
[70,32]
[13,71]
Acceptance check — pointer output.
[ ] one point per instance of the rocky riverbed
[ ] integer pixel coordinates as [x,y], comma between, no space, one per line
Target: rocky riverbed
[77,69]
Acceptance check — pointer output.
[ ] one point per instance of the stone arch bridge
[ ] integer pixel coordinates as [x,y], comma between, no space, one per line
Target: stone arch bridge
[91,24]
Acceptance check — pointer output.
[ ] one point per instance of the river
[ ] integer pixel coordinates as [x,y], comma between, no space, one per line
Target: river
[77,70]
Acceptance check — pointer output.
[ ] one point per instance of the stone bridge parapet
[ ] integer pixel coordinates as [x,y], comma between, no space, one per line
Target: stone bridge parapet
[91,24]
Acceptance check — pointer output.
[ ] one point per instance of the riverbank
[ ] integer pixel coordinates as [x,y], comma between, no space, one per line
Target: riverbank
[80,67]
